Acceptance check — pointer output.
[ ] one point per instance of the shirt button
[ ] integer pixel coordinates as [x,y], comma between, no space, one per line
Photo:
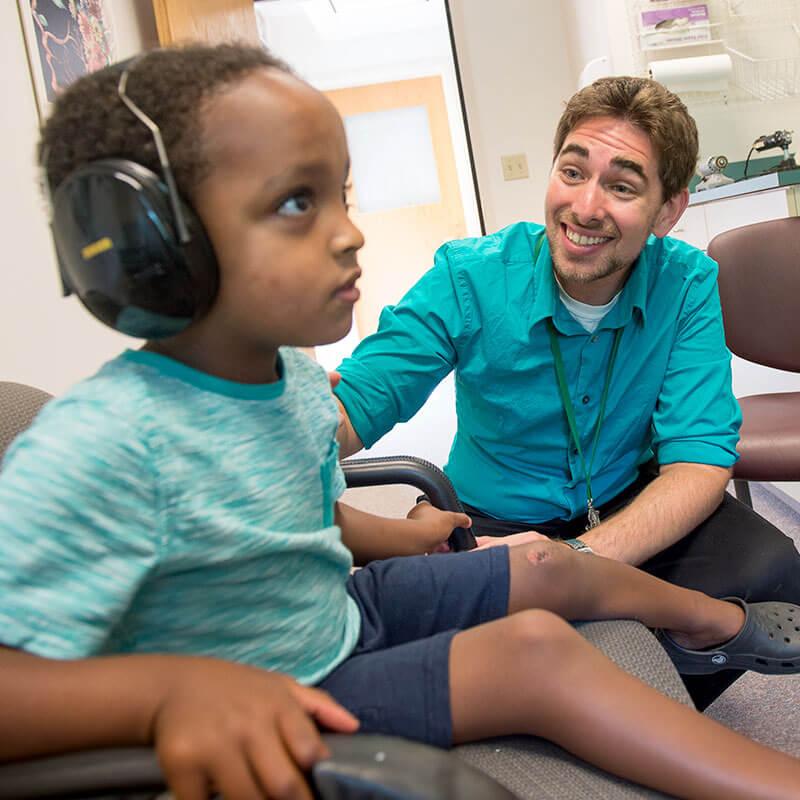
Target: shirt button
[574,451]
[594,338]
[585,399]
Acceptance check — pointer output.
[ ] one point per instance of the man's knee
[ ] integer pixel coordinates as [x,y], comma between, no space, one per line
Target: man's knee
[776,575]
[734,552]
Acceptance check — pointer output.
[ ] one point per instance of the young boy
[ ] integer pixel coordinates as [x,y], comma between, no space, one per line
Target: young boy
[184,499]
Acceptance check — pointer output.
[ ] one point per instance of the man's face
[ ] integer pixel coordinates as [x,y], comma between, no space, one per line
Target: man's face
[603,200]
[273,205]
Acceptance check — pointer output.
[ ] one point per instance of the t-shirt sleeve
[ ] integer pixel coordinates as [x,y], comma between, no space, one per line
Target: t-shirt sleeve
[393,371]
[78,530]
[697,417]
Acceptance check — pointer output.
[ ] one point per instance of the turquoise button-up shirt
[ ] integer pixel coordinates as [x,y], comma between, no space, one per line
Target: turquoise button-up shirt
[482,311]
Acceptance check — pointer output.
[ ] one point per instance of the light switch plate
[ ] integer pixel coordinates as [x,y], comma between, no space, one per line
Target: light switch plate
[514,166]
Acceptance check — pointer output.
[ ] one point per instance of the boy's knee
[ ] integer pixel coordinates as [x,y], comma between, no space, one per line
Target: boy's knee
[549,561]
[541,635]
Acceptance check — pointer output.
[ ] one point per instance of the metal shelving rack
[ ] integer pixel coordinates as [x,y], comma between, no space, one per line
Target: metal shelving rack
[762,38]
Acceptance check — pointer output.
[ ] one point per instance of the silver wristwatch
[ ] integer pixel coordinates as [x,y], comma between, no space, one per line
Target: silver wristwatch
[579,545]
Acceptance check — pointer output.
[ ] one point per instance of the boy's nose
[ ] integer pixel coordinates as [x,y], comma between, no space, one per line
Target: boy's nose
[348,238]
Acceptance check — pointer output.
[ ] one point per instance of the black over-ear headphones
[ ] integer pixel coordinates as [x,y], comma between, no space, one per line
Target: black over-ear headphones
[135,254]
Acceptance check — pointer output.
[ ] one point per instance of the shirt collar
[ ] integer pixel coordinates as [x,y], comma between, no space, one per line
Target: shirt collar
[546,301]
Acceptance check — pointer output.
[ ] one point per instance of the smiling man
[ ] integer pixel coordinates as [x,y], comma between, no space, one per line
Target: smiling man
[593,385]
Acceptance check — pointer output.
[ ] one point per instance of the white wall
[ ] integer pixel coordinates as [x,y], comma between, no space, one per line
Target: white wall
[516,74]
[44,340]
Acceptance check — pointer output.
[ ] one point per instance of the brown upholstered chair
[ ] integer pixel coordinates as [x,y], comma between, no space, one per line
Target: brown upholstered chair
[759,286]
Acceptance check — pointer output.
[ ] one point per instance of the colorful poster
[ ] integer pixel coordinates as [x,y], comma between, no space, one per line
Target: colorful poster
[65,39]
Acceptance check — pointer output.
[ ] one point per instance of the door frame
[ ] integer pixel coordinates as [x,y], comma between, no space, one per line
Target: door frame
[465,117]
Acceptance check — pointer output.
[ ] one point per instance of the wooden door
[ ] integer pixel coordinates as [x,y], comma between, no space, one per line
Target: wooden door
[211,21]
[400,242]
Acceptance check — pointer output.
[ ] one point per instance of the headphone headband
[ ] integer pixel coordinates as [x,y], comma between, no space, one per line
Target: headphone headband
[166,168]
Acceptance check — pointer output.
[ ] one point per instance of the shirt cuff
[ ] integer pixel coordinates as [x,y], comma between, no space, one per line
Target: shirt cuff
[697,453]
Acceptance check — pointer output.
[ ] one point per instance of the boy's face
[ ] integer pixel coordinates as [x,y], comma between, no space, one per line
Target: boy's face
[274,208]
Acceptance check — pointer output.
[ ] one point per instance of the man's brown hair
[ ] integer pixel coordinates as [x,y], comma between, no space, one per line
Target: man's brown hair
[650,107]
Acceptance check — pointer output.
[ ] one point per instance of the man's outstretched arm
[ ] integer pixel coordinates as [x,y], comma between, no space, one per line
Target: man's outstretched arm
[675,503]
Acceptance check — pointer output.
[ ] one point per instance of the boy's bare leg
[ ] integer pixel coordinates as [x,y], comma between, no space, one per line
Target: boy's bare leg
[533,673]
[579,586]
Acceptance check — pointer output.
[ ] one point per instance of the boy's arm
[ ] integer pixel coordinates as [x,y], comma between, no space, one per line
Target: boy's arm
[243,731]
[370,538]
[349,441]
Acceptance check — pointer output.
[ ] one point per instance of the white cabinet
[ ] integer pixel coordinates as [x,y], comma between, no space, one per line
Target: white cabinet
[692,228]
[733,212]
[702,221]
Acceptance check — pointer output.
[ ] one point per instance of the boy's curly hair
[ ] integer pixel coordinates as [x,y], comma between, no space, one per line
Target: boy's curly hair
[90,121]
[649,106]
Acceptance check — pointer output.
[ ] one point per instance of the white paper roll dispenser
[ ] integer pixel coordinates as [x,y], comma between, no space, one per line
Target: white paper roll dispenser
[696,74]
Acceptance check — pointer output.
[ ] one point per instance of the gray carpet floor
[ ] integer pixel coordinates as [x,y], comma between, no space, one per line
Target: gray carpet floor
[766,707]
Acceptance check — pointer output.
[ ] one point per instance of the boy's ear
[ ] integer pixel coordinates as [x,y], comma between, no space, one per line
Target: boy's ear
[670,213]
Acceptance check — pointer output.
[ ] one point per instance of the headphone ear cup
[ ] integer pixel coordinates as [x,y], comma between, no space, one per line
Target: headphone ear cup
[119,250]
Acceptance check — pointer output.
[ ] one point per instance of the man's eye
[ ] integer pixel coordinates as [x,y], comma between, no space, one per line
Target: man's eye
[621,188]
[296,205]
[570,173]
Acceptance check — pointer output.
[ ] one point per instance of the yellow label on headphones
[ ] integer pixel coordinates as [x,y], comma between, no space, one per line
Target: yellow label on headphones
[95,248]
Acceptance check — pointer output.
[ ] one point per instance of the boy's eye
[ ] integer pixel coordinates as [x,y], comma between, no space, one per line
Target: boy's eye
[296,205]
[570,173]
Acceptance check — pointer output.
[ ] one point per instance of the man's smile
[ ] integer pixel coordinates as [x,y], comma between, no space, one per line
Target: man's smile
[581,241]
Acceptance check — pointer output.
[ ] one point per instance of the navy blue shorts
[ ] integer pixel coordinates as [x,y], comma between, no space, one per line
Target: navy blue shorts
[396,681]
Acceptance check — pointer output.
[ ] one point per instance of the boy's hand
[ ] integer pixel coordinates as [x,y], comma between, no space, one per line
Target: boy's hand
[435,526]
[242,732]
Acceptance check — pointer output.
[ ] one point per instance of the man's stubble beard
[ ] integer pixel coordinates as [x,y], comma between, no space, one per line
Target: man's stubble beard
[609,266]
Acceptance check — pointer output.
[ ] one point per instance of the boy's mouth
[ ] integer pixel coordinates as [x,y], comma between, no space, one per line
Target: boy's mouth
[349,292]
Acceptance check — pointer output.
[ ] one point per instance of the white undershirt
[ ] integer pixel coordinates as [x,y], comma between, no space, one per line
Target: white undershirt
[587,316]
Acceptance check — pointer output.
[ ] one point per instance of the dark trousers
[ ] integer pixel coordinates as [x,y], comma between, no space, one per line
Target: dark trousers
[735,552]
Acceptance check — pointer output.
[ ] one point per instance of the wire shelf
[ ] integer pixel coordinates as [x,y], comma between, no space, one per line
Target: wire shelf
[757,70]
[762,38]
[765,78]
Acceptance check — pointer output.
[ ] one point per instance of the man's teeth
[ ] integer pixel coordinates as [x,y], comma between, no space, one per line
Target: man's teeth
[585,241]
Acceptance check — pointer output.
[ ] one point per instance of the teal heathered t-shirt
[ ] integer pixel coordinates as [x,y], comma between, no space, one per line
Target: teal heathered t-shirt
[155,508]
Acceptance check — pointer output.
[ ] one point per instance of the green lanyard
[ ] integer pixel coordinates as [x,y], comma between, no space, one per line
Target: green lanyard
[591,512]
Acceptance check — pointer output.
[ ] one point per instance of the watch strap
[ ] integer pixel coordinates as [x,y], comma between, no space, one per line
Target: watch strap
[578,544]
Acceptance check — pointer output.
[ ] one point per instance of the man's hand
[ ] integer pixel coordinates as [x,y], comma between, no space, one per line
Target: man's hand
[513,540]
[241,732]
[676,502]
[435,526]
